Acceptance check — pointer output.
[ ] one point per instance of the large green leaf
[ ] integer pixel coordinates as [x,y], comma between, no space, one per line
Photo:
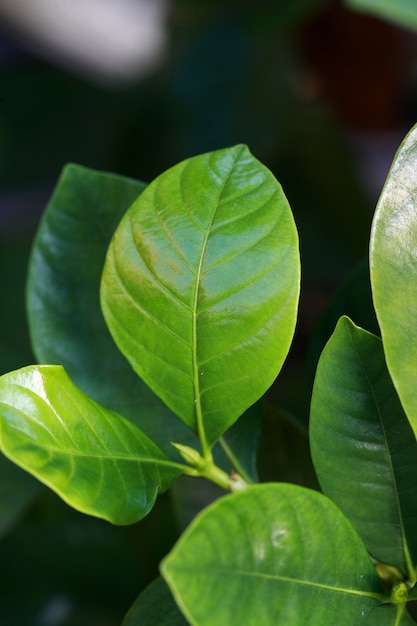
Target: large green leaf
[272,554]
[200,287]
[393,265]
[93,458]
[66,322]
[402,12]
[363,448]
[155,607]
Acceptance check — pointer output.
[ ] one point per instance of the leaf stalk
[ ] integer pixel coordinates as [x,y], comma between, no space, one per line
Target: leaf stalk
[206,468]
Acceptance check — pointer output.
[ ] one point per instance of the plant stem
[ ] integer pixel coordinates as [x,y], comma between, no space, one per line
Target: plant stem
[216,475]
[206,468]
[400,612]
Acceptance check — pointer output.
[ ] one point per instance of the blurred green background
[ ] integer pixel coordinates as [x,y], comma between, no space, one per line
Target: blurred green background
[323,95]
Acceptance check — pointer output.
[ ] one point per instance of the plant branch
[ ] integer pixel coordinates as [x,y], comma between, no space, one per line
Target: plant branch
[206,468]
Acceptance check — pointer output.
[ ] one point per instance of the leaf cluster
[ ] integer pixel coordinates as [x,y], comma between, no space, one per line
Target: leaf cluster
[160,315]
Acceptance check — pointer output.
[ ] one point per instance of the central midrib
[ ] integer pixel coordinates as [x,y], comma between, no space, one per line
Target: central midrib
[199,415]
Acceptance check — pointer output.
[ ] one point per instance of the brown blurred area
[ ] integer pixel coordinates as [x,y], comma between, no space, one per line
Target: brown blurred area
[360,65]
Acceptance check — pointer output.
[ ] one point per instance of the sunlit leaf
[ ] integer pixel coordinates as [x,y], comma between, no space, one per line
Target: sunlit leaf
[94,459]
[393,264]
[272,554]
[200,287]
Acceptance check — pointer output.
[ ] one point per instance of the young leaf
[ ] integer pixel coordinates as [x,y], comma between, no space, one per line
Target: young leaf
[155,607]
[272,554]
[98,462]
[200,286]
[66,322]
[363,447]
[393,265]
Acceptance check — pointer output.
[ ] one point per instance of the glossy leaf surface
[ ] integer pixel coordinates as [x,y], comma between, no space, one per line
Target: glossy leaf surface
[97,461]
[200,287]
[67,325]
[155,607]
[393,265]
[402,12]
[363,447]
[272,554]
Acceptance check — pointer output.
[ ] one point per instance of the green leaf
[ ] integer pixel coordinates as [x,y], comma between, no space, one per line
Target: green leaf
[63,297]
[200,287]
[363,448]
[402,12]
[155,606]
[97,461]
[393,265]
[272,554]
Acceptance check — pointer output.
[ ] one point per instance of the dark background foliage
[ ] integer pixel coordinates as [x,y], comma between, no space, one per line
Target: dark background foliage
[322,95]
